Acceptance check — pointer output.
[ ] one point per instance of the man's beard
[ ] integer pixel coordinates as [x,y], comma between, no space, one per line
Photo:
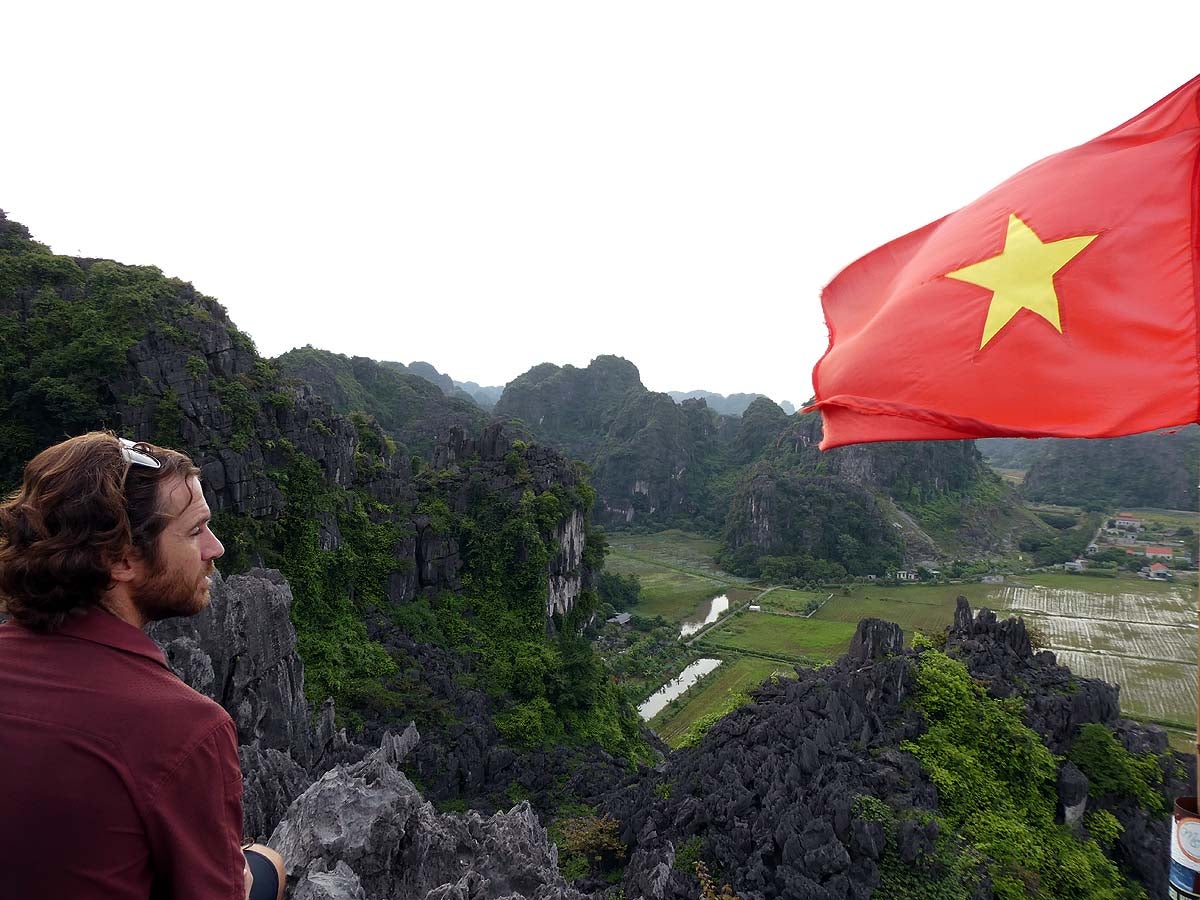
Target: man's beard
[164,594]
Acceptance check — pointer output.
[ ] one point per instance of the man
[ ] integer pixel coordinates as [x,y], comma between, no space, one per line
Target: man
[117,780]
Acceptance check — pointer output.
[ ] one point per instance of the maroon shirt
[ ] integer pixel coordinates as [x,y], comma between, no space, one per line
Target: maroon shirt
[117,780]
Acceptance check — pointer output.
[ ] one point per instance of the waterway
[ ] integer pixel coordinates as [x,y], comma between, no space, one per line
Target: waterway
[675,687]
[709,612]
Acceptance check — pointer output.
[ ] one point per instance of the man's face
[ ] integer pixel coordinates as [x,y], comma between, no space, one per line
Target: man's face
[178,583]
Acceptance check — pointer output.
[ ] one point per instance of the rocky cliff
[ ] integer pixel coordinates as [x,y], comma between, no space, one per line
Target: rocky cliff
[350,823]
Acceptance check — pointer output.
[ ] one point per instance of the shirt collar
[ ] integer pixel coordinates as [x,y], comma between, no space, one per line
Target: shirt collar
[102,627]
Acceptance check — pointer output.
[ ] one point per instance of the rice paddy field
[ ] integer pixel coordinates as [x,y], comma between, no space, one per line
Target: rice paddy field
[1139,635]
[786,600]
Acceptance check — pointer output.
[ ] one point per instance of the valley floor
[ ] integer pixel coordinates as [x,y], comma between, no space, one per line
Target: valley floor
[1125,630]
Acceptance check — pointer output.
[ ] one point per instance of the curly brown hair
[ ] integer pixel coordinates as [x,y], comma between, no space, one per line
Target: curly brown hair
[82,505]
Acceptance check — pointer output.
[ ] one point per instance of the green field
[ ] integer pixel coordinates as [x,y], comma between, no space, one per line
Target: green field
[912,608]
[734,677]
[786,636]
[790,601]
[676,549]
[666,592]
[676,570]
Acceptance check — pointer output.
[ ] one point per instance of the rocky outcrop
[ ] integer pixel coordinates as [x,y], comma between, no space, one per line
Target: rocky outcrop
[999,653]
[566,567]
[768,796]
[773,797]
[241,651]
[363,830]
[350,823]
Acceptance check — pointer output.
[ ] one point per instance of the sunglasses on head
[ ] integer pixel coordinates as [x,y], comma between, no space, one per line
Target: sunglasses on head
[137,457]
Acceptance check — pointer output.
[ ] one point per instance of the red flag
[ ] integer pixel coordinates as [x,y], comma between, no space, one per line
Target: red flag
[1061,303]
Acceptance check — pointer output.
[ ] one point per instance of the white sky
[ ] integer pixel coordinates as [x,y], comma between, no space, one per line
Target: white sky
[489,185]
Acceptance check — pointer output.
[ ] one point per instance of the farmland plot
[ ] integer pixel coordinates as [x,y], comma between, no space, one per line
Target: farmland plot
[1168,643]
[1174,607]
[1165,692]
[1146,643]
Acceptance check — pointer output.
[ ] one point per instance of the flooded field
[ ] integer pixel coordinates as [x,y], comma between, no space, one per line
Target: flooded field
[676,687]
[708,613]
[1144,642]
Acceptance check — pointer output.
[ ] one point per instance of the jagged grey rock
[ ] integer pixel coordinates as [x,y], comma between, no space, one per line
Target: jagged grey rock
[271,780]
[875,639]
[339,884]
[241,650]
[370,818]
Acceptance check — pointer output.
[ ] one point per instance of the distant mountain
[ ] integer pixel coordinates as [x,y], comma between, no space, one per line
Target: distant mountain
[1139,470]
[733,405]
[483,397]
[410,407]
[1013,453]
[759,480]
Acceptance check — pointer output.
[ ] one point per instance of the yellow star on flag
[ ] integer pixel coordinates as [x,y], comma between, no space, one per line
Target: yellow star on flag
[1022,276]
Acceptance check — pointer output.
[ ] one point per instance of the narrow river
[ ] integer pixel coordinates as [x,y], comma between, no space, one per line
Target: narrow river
[675,687]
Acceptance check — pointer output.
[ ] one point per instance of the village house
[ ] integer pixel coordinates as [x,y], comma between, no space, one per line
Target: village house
[1152,552]
[1127,522]
[620,619]
[904,575]
[1158,572]
[1075,565]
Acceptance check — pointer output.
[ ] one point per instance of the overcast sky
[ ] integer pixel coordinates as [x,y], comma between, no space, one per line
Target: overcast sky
[487,186]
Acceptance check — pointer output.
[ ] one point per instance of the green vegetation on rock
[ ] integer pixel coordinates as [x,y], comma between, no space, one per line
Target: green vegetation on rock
[996,790]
